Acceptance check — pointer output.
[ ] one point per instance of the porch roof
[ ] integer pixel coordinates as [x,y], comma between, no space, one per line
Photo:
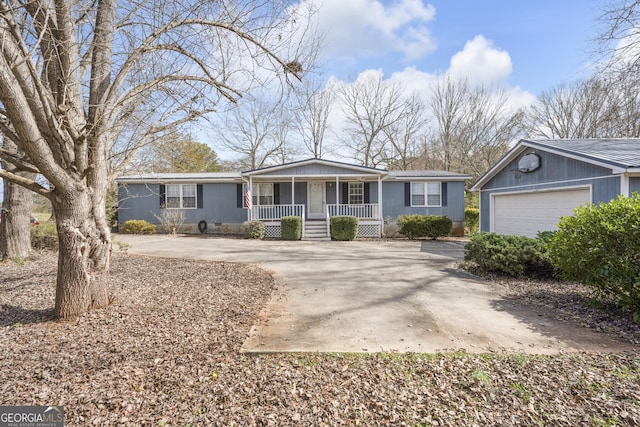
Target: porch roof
[315,168]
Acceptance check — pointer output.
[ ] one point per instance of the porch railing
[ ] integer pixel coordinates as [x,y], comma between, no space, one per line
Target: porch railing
[275,212]
[363,211]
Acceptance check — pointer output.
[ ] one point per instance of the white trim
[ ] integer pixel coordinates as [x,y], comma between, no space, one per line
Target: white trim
[541,190]
[314,176]
[624,184]
[181,196]
[548,183]
[426,194]
[321,214]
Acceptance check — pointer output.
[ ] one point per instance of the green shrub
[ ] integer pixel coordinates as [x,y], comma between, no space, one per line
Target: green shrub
[138,226]
[291,227]
[44,236]
[415,226]
[437,226]
[344,227]
[472,219]
[254,229]
[600,247]
[514,256]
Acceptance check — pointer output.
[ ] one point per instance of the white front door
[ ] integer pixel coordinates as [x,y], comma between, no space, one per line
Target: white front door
[316,199]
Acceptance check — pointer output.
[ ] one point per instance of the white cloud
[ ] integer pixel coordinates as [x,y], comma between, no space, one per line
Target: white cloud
[481,63]
[371,27]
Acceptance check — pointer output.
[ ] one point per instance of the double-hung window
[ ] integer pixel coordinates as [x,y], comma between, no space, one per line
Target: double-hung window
[262,194]
[426,194]
[356,193]
[181,196]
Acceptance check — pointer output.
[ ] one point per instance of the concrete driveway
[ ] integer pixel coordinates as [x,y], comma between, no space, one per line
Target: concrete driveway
[369,296]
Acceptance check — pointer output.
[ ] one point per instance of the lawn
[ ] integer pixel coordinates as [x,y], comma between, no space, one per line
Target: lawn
[166,353]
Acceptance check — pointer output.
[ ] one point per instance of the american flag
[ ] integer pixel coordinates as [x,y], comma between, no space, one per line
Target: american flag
[247,198]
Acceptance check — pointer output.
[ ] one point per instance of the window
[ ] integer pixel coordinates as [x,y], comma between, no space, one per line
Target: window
[356,193]
[181,196]
[426,194]
[262,194]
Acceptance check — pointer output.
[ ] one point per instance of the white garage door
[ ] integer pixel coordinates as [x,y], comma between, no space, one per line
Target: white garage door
[527,213]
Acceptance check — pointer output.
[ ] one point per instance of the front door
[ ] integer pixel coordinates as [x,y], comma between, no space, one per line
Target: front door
[316,199]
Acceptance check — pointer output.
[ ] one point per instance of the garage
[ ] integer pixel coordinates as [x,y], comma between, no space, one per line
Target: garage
[527,213]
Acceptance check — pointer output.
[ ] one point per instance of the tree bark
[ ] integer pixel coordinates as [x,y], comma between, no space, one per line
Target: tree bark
[84,255]
[15,233]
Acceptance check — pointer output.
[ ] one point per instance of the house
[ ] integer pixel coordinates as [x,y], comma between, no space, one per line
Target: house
[539,181]
[313,189]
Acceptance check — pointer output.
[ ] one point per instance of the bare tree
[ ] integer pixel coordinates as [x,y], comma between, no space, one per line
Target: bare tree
[312,116]
[257,131]
[75,75]
[370,105]
[583,109]
[15,212]
[619,38]
[606,105]
[447,105]
[473,126]
[404,136]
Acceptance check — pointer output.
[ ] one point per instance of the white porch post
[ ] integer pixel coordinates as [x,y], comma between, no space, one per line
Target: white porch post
[380,205]
[293,194]
[337,190]
[251,188]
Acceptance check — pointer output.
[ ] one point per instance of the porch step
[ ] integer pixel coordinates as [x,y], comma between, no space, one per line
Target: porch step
[315,230]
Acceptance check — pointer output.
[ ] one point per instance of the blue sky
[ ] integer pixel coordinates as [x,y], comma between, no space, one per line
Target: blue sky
[546,42]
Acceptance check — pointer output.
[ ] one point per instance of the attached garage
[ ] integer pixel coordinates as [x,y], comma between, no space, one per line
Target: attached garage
[527,213]
[539,181]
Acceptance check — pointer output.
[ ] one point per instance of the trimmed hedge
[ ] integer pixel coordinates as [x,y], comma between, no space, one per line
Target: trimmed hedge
[600,247]
[254,229]
[291,227]
[415,226]
[138,226]
[344,227]
[515,256]
[472,219]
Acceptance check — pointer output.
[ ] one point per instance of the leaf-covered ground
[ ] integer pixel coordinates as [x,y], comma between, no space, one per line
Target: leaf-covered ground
[166,353]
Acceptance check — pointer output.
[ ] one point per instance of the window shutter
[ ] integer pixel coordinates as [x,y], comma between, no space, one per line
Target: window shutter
[163,196]
[366,197]
[239,198]
[407,194]
[199,196]
[345,193]
[276,193]
[443,189]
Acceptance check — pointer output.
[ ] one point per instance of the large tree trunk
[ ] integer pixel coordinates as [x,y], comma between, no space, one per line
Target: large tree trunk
[15,233]
[84,254]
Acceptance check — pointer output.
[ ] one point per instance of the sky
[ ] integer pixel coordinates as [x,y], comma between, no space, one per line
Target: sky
[530,45]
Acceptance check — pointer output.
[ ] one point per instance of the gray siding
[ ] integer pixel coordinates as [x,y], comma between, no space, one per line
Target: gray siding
[393,202]
[312,170]
[634,184]
[142,201]
[555,172]
[553,168]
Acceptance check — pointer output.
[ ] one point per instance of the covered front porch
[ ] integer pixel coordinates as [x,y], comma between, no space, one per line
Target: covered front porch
[316,200]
